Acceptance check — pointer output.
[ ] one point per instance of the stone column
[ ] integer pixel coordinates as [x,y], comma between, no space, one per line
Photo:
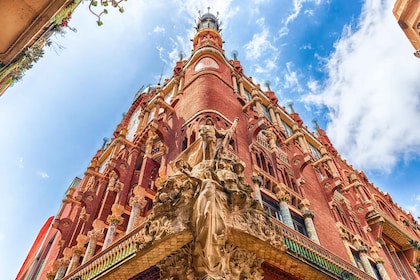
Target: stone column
[175,89]
[379,263]
[158,105]
[345,237]
[53,271]
[162,168]
[181,84]
[279,122]
[272,114]
[140,123]
[257,180]
[362,250]
[301,138]
[145,118]
[63,264]
[381,269]
[308,216]
[94,235]
[365,261]
[234,83]
[284,199]
[241,88]
[77,251]
[114,220]
[257,101]
[329,162]
[137,202]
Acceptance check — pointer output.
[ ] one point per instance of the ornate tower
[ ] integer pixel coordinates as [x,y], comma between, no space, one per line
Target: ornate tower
[207,177]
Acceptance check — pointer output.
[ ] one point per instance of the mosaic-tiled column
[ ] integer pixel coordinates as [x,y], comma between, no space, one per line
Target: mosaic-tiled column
[77,251]
[284,199]
[114,220]
[94,235]
[379,263]
[365,261]
[308,217]
[63,264]
[137,202]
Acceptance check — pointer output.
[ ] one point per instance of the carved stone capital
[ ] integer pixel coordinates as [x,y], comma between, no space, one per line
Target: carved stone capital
[139,201]
[362,249]
[77,250]
[95,234]
[63,262]
[114,220]
[283,196]
[308,214]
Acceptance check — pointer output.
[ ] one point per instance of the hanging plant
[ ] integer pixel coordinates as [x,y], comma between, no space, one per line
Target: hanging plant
[98,12]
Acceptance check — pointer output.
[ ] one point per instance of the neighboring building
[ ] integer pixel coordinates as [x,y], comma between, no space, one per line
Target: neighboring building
[36,256]
[207,177]
[407,12]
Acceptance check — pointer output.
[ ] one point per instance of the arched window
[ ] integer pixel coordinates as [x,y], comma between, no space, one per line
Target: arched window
[192,137]
[270,169]
[184,143]
[340,216]
[263,164]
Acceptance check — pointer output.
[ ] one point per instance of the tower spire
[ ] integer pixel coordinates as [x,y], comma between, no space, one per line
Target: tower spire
[208,31]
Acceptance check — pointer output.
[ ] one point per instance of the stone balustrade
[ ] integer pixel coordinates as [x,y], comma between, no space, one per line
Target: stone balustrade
[302,247]
[117,253]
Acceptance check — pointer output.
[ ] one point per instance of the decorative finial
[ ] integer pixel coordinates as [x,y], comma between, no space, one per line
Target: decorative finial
[181,55]
[105,139]
[267,84]
[235,54]
[290,104]
[315,121]
[199,13]
[208,10]
[161,74]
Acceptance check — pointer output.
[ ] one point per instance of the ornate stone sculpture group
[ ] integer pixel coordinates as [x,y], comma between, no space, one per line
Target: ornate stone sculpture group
[209,196]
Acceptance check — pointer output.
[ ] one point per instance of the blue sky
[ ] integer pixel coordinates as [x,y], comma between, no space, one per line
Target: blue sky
[345,63]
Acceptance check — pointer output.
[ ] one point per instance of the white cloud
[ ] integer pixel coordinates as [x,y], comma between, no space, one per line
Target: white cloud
[43,175]
[259,43]
[19,162]
[159,29]
[372,92]
[297,9]
[291,79]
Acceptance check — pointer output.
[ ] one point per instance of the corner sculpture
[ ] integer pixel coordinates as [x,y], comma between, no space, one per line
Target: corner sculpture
[209,196]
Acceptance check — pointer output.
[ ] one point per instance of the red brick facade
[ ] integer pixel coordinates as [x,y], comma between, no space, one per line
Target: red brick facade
[332,221]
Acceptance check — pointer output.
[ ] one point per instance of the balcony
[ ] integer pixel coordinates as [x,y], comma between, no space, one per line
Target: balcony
[300,247]
[298,255]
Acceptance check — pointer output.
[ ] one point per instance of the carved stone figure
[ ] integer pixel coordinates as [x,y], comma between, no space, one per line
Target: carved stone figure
[209,222]
[271,137]
[90,183]
[114,183]
[151,137]
[209,135]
